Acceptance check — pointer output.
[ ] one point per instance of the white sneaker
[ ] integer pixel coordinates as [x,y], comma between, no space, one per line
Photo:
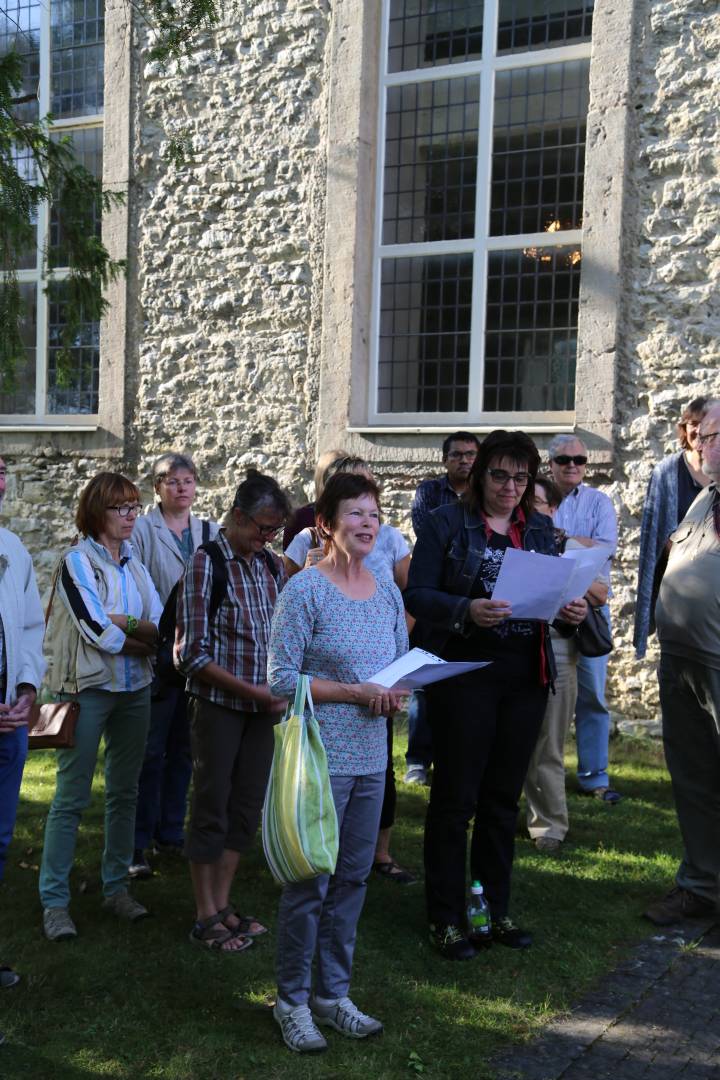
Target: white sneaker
[345,1017]
[298,1029]
[57,924]
[416,774]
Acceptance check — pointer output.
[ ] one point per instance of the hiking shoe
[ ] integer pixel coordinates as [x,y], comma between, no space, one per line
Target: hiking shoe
[679,904]
[548,845]
[139,868]
[451,942]
[124,906]
[505,932]
[57,924]
[345,1017]
[416,774]
[298,1029]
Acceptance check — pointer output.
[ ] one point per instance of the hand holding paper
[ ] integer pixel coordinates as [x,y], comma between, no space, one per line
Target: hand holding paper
[538,586]
[419,668]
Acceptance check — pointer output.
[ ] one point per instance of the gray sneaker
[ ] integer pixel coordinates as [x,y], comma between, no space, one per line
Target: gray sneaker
[416,774]
[124,906]
[345,1018]
[57,924]
[298,1029]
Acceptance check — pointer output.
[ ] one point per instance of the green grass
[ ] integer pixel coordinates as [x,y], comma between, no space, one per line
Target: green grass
[133,1002]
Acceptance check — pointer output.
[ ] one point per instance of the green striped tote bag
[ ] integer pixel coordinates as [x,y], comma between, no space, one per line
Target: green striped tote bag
[299,827]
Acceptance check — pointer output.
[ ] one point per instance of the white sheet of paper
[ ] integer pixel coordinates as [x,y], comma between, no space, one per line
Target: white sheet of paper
[589,562]
[418,668]
[533,584]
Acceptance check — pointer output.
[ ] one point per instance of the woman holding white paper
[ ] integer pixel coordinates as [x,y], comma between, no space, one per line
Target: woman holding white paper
[341,624]
[485,723]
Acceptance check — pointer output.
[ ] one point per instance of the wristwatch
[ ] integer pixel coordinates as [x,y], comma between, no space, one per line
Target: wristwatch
[132,625]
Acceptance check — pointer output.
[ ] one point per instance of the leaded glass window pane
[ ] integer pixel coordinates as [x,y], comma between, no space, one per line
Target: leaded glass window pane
[524,25]
[73,381]
[431,161]
[20,32]
[77,57]
[539,148]
[531,329]
[425,33]
[425,334]
[17,384]
[87,148]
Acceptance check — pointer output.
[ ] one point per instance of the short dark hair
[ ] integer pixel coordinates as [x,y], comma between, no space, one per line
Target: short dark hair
[258,491]
[520,449]
[171,462]
[458,436]
[553,494]
[104,490]
[344,485]
[695,410]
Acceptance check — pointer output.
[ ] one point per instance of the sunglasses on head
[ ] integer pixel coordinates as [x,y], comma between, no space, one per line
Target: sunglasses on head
[565,459]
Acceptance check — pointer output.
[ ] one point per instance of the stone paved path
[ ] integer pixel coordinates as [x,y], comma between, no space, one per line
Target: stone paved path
[655,1018]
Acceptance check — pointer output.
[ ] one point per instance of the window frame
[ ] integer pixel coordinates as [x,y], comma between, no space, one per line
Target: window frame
[478,246]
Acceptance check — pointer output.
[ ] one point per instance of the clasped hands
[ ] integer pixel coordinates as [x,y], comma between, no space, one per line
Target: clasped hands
[17,715]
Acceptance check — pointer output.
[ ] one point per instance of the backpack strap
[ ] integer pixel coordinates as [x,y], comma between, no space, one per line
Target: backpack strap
[205,536]
[218,591]
[272,564]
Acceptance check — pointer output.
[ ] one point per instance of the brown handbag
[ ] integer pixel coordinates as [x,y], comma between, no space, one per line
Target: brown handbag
[52,726]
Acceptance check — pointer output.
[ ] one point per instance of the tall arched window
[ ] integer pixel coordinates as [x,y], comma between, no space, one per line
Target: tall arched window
[477,252]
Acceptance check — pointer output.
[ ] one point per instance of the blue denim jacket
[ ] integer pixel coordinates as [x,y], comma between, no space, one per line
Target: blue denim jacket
[445,564]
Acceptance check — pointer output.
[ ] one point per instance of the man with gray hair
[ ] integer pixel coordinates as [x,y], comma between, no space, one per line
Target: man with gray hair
[687,617]
[587,515]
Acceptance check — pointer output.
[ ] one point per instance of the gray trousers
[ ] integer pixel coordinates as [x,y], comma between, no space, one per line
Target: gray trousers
[690,703]
[318,918]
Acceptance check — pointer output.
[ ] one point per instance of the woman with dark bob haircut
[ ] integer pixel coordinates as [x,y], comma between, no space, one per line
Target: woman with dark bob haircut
[102,634]
[484,724]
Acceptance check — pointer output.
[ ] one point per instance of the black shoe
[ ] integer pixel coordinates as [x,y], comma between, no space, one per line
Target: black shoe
[505,932]
[679,904]
[450,942]
[139,868]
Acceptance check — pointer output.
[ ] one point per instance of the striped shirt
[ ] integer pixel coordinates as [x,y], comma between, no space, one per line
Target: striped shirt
[89,611]
[238,637]
[585,511]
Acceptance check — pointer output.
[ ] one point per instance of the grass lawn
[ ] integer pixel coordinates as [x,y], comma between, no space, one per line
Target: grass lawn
[139,1001]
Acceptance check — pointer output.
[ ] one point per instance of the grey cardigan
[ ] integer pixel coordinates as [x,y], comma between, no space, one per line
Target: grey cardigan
[158,550]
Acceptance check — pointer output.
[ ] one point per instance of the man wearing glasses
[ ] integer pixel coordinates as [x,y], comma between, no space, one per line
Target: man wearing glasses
[587,514]
[458,456]
[687,617]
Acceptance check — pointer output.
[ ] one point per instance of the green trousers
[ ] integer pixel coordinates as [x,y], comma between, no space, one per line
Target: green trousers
[122,719]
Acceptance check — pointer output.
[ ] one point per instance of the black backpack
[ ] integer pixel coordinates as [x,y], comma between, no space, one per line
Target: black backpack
[165,669]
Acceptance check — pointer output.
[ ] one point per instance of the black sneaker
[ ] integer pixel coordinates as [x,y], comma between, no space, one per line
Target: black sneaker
[139,868]
[505,932]
[451,942]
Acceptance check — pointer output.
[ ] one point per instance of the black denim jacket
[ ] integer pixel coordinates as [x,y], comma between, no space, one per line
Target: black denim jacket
[445,564]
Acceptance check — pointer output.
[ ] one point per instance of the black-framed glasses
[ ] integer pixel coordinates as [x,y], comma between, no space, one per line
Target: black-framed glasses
[565,459]
[266,531]
[125,510]
[501,478]
[462,455]
[708,437]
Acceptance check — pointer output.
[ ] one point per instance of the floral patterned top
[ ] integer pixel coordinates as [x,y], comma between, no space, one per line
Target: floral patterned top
[317,630]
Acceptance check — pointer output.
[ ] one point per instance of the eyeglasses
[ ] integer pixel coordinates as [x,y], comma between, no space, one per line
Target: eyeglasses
[174,484]
[565,459]
[709,437]
[266,531]
[125,510]
[501,478]
[462,455]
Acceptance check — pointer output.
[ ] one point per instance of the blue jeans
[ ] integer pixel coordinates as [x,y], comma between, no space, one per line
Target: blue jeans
[166,771]
[318,918]
[592,720]
[13,751]
[419,751]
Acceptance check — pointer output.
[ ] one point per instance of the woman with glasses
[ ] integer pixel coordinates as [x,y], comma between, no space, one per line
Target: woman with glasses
[226,599]
[165,538]
[674,484]
[102,635]
[484,724]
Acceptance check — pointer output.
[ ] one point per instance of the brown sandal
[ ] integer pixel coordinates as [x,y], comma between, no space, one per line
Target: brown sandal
[212,934]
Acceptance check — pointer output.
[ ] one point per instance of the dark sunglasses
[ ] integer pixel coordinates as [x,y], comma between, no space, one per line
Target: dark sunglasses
[565,459]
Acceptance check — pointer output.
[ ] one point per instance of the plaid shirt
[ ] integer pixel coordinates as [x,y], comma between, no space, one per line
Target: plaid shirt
[237,639]
[429,495]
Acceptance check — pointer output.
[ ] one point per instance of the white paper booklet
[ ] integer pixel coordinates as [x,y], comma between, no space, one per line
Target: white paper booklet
[419,668]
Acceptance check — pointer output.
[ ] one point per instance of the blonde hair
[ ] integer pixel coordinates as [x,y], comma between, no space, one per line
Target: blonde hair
[323,462]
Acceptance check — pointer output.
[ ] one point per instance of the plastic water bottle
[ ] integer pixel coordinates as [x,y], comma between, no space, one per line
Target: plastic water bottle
[478,916]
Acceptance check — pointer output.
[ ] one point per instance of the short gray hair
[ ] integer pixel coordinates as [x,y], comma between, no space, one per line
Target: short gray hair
[557,443]
[170,462]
